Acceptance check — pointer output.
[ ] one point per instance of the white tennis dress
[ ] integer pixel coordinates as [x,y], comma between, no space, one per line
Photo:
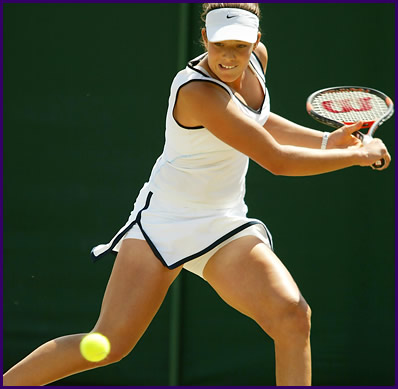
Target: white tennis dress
[193,203]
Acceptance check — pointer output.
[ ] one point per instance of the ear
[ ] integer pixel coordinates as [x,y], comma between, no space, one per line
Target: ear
[204,37]
[257,41]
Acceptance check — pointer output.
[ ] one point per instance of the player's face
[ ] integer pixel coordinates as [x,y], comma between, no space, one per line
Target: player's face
[228,59]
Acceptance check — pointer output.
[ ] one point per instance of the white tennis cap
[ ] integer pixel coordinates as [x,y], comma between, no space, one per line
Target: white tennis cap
[223,24]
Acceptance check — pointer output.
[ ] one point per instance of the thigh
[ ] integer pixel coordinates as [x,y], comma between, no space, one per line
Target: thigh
[250,277]
[135,291]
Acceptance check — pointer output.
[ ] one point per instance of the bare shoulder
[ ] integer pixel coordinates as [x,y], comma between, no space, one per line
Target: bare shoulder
[202,89]
[196,96]
[262,54]
[207,104]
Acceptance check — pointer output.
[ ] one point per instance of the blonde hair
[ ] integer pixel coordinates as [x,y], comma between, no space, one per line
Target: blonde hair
[251,7]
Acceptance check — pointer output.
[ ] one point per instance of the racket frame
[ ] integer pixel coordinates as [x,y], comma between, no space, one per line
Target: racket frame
[372,125]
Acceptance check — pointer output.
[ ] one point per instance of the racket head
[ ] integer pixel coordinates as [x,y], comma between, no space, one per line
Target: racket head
[344,105]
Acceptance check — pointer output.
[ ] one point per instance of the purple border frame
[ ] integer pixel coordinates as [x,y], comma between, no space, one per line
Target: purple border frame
[91,1]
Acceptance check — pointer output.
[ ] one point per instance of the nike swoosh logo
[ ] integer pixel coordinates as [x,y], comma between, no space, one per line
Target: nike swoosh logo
[231,16]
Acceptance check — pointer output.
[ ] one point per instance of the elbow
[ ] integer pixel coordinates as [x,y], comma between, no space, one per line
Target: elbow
[277,170]
[282,162]
[276,161]
[274,167]
[278,166]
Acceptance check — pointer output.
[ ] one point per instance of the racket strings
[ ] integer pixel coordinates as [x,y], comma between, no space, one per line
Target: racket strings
[349,106]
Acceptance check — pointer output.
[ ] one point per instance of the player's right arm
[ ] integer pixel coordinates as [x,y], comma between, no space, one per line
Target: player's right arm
[206,104]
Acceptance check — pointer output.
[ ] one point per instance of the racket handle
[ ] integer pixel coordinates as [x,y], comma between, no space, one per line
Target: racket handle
[379,164]
[365,140]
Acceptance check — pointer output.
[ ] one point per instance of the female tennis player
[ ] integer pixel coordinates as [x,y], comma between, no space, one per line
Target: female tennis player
[191,213]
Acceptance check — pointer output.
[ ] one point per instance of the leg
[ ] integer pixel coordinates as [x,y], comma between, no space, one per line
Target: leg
[250,278]
[135,291]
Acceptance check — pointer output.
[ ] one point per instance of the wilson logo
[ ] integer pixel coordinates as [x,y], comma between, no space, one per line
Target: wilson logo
[348,105]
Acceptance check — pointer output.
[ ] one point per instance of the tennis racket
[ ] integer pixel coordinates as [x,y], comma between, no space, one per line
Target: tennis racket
[344,105]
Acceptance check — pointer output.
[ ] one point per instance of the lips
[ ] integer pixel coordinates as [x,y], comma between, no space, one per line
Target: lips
[226,67]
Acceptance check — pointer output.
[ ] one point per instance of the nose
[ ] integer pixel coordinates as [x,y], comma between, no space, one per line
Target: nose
[229,53]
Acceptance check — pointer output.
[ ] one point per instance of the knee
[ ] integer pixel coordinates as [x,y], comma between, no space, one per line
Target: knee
[116,354]
[291,322]
[114,357]
[120,346]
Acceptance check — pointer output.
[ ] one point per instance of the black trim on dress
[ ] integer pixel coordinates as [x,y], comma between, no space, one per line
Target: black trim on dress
[193,63]
[155,250]
[261,66]
[123,232]
[178,91]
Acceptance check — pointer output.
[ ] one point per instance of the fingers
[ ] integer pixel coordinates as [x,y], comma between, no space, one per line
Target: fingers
[387,159]
[380,156]
[352,131]
[385,162]
[346,136]
[351,128]
[380,159]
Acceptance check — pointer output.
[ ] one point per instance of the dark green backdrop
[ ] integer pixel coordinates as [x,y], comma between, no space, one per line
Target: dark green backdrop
[86,89]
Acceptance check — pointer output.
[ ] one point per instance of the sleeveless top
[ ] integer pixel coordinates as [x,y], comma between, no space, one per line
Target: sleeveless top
[196,169]
[194,198]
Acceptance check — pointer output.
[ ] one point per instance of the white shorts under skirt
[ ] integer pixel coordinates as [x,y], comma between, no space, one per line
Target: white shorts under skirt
[197,265]
[183,236]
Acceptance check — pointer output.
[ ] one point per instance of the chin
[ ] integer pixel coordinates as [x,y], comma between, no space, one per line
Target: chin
[228,78]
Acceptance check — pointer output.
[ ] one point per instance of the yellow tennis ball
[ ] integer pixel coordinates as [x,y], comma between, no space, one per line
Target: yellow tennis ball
[95,347]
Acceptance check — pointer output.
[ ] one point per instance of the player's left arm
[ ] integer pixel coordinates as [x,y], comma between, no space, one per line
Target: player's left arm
[287,132]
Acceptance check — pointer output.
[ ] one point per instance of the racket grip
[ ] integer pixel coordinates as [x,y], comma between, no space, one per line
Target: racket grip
[379,164]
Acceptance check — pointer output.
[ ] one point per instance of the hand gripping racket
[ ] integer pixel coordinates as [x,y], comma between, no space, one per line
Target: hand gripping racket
[344,105]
